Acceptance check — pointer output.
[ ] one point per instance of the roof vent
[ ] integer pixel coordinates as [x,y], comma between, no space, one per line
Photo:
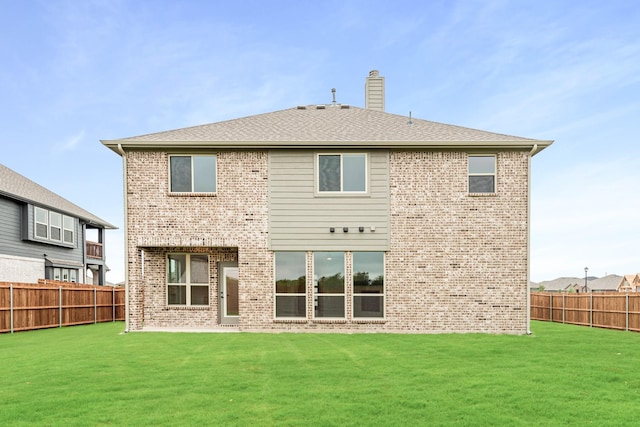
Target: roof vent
[344,106]
[320,107]
[301,107]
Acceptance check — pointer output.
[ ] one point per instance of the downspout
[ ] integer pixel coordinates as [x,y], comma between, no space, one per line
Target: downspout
[126,240]
[533,151]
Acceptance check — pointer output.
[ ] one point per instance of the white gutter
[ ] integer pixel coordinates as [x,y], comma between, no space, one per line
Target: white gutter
[533,151]
[438,145]
[126,240]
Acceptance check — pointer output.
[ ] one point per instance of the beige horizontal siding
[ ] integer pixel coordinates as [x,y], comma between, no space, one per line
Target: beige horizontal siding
[300,219]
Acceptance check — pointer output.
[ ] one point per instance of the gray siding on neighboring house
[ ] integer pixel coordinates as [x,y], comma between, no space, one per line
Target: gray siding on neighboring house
[11,242]
[300,219]
[10,217]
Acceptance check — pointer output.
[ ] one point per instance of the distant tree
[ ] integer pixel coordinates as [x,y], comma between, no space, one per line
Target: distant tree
[361,279]
[331,284]
[541,288]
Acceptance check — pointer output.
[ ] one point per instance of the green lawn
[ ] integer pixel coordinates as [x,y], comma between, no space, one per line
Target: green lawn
[96,375]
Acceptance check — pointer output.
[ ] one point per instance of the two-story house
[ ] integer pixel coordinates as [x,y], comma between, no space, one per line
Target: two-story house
[328,218]
[44,236]
[629,283]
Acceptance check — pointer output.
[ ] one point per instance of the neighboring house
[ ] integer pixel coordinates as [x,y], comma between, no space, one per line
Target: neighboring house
[629,283]
[43,236]
[575,288]
[607,283]
[328,218]
[561,284]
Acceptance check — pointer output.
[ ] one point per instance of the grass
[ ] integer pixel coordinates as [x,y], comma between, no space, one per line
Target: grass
[96,375]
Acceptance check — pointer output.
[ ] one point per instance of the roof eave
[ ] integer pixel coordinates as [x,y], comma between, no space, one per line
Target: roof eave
[161,145]
[91,221]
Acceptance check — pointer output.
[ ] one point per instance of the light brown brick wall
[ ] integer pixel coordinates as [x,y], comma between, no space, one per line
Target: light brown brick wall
[456,262]
[230,226]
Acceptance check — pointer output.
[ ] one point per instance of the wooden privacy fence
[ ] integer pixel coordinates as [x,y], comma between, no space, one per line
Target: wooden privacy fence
[51,304]
[613,310]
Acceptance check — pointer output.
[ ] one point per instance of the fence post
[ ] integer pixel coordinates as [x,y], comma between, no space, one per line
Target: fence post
[11,306]
[113,304]
[626,328]
[550,307]
[95,306]
[60,306]
[591,310]
[563,308]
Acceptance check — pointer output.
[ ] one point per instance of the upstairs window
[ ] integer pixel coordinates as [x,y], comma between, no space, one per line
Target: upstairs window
[482,174]
[53,226]
[68,226]
[192,174]
[41,223]
[342,173]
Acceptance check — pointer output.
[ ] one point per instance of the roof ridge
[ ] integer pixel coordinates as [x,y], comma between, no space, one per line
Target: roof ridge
[335,123]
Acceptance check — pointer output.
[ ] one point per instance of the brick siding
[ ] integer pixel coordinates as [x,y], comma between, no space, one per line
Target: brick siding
[457,262]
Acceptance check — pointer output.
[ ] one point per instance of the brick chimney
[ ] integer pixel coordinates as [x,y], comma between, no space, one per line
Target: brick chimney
[374,91]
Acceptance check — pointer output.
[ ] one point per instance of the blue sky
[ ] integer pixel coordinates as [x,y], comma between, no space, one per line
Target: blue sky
[76,72]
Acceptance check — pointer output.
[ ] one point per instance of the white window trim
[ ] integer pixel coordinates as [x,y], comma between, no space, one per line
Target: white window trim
[36,222]
[277,294]
[187,282]
[494,174]
[49,225]
[72,229]
[333,193]
[317,294]
[59,272]
[383,294]
[192,175]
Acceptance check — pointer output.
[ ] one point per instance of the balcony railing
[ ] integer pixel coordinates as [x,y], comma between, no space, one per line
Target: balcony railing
[94,250]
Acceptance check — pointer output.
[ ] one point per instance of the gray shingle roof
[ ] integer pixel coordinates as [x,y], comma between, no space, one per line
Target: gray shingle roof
[606,283]
[326,125]
[15,186]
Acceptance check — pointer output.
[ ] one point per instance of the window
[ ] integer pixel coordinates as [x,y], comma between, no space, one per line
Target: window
[368,284]
[193,174]
[291,284]
[41,223]
[187,279]
[53,226]
[65,274]
[68,233]
[482,174]
[346,173]
[328,284]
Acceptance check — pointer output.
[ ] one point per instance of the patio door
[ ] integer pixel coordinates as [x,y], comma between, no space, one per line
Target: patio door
[228,295]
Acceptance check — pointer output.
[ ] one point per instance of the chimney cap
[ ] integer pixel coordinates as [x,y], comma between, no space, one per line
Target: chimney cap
[374,73]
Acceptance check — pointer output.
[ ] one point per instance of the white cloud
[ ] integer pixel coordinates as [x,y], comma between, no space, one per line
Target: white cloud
[71,143]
